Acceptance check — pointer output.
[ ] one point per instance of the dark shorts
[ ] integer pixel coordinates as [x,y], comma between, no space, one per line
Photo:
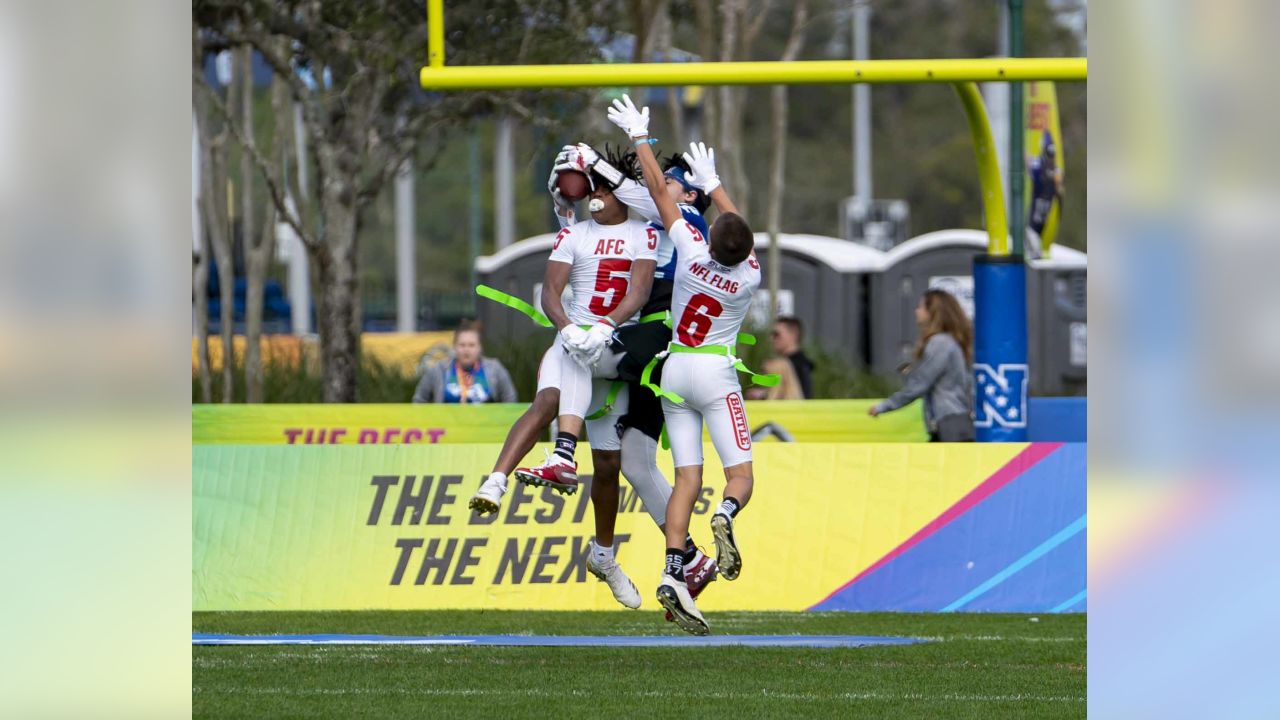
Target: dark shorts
[641,343]
[953,428]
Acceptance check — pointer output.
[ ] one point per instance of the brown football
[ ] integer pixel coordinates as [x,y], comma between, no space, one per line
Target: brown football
[573,185]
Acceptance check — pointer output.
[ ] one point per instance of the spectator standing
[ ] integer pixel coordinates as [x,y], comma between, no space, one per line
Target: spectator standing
[942,373]
[787,335]
[466,377]
[788,387]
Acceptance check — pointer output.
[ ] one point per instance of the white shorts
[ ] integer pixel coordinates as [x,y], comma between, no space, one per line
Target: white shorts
[602,432]
[709,386]
[574,382]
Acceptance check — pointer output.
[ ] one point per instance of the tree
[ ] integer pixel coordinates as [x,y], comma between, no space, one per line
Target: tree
[777,160]
[740,24]
[217,232]
[200,294]
[352,67]
[259,243]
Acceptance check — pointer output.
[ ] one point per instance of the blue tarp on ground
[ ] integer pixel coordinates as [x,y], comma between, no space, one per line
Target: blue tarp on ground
[808,641]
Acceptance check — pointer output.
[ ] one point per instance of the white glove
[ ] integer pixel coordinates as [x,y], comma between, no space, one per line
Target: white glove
[564,208]
[584,157]
[562,160]
[586,361]
[597,341]
[573,336]
[625,115]
[556,197]
[702,167]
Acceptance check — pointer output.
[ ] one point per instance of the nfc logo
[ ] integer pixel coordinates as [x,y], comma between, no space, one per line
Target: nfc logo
[1001,395]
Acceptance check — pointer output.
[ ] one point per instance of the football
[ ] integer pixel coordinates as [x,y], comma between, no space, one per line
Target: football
[573,185]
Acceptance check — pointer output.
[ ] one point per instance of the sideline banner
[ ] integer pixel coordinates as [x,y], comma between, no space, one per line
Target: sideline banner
[402,351]
[318,424]
[1045,162]
[831,526]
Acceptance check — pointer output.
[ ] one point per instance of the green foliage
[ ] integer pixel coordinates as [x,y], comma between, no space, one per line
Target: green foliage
[833,376]
[302,383]
[521,358]
[976,665]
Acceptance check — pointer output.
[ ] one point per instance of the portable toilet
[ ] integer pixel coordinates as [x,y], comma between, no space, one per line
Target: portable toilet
[517,270]
[1057,322]
[824,285]
[942,259]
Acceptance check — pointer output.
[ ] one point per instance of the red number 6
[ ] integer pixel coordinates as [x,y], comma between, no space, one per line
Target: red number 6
[695,321]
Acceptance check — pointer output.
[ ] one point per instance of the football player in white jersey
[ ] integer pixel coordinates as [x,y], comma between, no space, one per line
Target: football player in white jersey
[641,420]
[608,261]
[615,443]
[714,282]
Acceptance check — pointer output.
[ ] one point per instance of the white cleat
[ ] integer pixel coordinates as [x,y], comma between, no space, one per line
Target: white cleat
[727,555]
[624,591]
[674,596]
[489,497]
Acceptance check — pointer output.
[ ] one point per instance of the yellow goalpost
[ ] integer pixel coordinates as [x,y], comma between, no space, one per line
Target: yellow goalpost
[961,74]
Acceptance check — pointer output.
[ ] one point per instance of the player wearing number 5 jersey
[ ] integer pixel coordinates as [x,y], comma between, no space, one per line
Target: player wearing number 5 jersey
[715,279]
[608,262]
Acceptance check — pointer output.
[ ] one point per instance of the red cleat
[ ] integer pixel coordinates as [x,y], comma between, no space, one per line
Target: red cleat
[556,473]
[698,575]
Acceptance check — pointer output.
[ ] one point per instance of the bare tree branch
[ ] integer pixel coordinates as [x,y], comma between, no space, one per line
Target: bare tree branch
[753,29]
[778,157]
[274,187]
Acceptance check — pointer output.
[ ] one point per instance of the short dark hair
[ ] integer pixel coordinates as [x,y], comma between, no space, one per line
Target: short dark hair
[731,239]
[794,324]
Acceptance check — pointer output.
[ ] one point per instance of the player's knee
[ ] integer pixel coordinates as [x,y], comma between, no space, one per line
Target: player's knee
[633,467]
[606,465]
[545,405]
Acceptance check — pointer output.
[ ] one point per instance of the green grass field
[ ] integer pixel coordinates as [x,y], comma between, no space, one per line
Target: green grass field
[978,666]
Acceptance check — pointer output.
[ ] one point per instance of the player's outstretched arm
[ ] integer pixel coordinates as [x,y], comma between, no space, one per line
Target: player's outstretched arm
[636,196]
[583,158]
[636,124]
[702,175]
[722,201]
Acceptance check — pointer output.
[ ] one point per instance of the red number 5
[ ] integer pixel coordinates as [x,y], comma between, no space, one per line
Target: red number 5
[653,237]
[610,286]
[695,322]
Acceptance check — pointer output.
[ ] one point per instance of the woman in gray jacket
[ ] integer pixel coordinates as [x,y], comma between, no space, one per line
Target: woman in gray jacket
[942,372]
[466,377]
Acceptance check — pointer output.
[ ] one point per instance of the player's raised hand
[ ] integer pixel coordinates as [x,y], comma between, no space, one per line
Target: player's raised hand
[585,157]
[625,115]
[702,167]
[564,208]
[564,160]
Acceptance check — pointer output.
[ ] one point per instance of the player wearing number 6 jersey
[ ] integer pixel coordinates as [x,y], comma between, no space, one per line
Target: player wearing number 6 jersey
[715,279]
